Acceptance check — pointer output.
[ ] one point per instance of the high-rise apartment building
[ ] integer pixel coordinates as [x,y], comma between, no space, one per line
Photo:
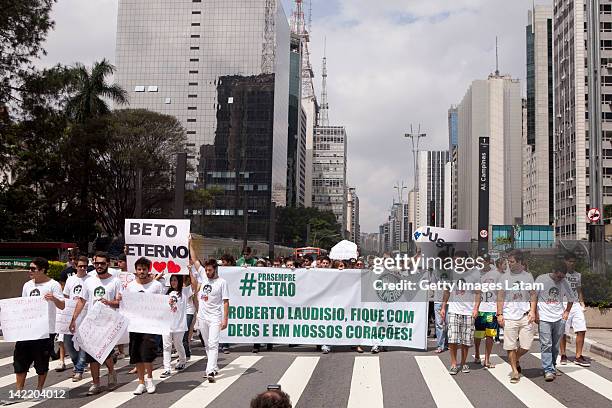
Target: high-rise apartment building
[352,216]
[489,170]
[329,191]
[538,199]
[571,159]
[453,130]
[431,181]
[222,68]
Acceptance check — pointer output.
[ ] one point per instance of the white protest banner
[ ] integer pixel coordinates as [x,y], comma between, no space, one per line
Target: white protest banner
[24,318]
[100,331]
[63,318]
[148,313]
[323,306]
[164,242]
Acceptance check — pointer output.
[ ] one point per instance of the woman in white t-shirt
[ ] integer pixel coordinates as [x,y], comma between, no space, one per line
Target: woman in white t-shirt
[179,297]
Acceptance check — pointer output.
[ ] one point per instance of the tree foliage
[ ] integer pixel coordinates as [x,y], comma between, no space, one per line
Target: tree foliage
[292,226]
[24,25]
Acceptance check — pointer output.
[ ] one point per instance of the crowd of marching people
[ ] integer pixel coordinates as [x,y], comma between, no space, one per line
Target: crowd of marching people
[461,317]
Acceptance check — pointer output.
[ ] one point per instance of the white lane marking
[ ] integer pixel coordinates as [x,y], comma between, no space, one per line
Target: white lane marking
[442,387]
[366,386]
[10,379]
[297,376]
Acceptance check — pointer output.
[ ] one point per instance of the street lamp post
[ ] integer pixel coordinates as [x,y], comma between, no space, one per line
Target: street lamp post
[415,150]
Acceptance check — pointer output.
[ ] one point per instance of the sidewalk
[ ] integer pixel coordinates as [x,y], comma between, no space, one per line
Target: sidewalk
[598,341]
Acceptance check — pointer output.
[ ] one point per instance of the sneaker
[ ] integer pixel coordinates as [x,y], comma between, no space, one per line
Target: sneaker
[150,386]
[454,370]
[465,369]
[133,371]
[179,367]
[140,389]
[61,368]
[165,374]
[211,377]
[112,380]
[120,356]
[174,355]
[548,377]
[583,362]
[94,389]
[375,350]
[477,360]
[563,359]
[558,372]
[325,349]
[77,377]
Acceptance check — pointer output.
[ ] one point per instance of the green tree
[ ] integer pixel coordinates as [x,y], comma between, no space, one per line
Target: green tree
[91,90]
[292,226]
[24,25]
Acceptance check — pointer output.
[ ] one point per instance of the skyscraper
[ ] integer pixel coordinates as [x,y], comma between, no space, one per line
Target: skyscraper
[453,131]
[431,180]
[489,173]
[538,198]
[571,159]
[206,63]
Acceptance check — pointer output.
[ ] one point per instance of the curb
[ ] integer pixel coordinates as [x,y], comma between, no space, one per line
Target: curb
[593,347]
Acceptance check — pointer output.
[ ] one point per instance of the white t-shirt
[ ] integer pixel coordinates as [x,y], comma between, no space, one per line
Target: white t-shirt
[550,299]
[488,297]
[96,289]
[516,301]
[153,287]
[180,320]
[41,289]
[461,300]
[575,281]
[441,275]
[74,286]
[211,295]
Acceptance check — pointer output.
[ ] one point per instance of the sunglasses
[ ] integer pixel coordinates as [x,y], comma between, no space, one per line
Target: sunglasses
[100,263]
[33,269]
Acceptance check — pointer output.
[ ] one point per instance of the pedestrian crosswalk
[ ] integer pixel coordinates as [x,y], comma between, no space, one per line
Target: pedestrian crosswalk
[359,384]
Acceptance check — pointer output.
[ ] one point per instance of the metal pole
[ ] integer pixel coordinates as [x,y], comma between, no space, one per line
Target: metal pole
[179,188]
[596,230]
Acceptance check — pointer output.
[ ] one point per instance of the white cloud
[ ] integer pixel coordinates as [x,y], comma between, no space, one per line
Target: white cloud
[391,63]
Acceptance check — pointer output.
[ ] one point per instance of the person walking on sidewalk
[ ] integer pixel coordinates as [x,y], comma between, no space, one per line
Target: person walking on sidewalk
[516,311]
[552,315]
[576,318]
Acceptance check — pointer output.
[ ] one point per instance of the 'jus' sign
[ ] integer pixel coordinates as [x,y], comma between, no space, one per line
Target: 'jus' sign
[321,306]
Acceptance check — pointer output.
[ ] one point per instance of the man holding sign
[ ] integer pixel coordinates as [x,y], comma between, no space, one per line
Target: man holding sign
[143,346]
[103,288]
[38,351]
[213,299]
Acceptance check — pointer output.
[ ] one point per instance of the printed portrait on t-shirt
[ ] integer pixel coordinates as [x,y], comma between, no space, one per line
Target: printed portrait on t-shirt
[35,292]
[99,292]
[78,289]
[206,289]
[553,295]
[173,302]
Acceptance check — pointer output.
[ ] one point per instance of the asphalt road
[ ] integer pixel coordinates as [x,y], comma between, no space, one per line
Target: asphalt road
[396,378]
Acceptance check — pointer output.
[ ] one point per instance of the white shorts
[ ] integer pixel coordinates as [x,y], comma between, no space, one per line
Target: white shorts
[576,320]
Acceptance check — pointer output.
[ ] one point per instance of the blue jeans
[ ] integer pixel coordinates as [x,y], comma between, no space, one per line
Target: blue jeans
[186,339]
[441,328]
[550,337]
[78,357]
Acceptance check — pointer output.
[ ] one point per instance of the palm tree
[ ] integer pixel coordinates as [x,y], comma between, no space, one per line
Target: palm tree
[91,90]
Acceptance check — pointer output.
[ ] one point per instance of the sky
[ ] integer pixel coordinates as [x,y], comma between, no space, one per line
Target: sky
[391,64]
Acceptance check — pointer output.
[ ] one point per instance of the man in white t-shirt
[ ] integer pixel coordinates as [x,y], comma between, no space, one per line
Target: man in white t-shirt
[143,346]
[576,319]
[552,315]
[38,352]
[213,313]
[463,302]
[73,290]
[486,322]
[106,289]
[516,311]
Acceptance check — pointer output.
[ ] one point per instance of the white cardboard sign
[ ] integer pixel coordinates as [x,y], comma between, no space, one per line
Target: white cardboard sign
[100,331]
[63,318]
[148,313]
[24,318]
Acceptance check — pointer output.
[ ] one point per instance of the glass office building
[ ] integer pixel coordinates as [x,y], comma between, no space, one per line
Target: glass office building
[190,59]
[504,237]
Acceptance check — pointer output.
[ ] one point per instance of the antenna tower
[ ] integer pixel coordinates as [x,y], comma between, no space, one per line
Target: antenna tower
[324,104]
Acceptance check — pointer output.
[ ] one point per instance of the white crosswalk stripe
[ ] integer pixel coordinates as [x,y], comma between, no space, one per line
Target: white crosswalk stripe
[205,393]
[437,378]
[366,386]
[10,379]
[585,377]
[6,360]
[297,376]
[525,390]
[126,392]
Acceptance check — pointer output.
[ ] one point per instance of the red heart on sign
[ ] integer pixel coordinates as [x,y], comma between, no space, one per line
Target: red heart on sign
[173,268]
[159,266]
